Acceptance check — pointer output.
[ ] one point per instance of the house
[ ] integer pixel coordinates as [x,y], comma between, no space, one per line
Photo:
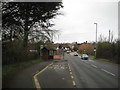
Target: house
[87,48]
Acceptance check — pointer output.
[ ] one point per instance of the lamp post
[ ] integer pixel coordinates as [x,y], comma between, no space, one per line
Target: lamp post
[96,39]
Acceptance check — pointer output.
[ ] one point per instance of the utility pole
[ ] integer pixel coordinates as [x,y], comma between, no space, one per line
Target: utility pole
[96,31]
[109,35]
[96,39]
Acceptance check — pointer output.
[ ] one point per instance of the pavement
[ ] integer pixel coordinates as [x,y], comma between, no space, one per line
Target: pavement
[24,78]
[56,75]
[68,72]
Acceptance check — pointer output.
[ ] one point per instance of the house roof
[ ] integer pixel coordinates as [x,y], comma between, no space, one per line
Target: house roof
[49,48]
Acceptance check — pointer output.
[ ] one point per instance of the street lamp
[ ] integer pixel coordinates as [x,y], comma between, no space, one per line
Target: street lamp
[96,39]
[96,31]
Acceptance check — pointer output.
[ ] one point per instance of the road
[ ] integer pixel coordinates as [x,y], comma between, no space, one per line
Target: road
[93,73]
[56,75]
[73,72]
[70,72]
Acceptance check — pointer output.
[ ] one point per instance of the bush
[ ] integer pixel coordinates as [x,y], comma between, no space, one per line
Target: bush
[14,52]
[108,50]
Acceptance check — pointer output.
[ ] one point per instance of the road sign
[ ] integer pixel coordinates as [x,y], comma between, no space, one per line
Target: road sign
[94,49]
[60,47]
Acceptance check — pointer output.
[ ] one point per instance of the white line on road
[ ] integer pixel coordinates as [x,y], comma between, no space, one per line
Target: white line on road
[37,84]
[72,77]
[62,67]
[91,60]
[94,66]
[108,72]
[71,73]
[55,67]
[74,84]
[69,68]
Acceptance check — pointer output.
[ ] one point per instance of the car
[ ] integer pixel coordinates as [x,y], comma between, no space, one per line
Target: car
[75,54]
[84,57]
[68,52]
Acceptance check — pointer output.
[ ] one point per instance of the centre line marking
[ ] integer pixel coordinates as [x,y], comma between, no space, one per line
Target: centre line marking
[94,66]
[108,72]
[72,77]
[70,72]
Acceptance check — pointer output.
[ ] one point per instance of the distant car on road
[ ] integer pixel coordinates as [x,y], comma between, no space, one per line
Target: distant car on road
[84,57]
[68,52]
[75,54]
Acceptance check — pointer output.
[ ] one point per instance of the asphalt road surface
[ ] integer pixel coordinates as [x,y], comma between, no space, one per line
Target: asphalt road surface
[70,72]
[56,75]
[93,73]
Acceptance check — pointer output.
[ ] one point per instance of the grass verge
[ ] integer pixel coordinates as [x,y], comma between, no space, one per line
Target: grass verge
[105,60]
[56,59]
[91,56]
[101,59]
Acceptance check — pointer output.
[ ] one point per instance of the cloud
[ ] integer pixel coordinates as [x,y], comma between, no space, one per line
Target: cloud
[80,17]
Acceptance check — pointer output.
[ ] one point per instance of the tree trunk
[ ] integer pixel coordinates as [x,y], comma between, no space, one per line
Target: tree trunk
[25,41]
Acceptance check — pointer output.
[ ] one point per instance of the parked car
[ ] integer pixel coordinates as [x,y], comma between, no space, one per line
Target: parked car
[84,57]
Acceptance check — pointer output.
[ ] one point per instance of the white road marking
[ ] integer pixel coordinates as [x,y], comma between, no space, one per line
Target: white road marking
[69,68]
[94,66]
[63,78]
[36,82]
[74,84]
[70,72]
[72,77]
[91,60]
[62,67]
[37,85]
[55,67]
[108,72]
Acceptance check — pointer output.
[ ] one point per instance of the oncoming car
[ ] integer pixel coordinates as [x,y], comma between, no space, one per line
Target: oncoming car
[84,57]
[75,54]
[68,52]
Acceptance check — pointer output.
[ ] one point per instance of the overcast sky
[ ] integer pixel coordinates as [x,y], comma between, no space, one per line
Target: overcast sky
[77,23]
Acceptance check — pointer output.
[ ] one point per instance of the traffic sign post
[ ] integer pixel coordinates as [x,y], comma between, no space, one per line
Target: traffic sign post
[95,52]
[60,47]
